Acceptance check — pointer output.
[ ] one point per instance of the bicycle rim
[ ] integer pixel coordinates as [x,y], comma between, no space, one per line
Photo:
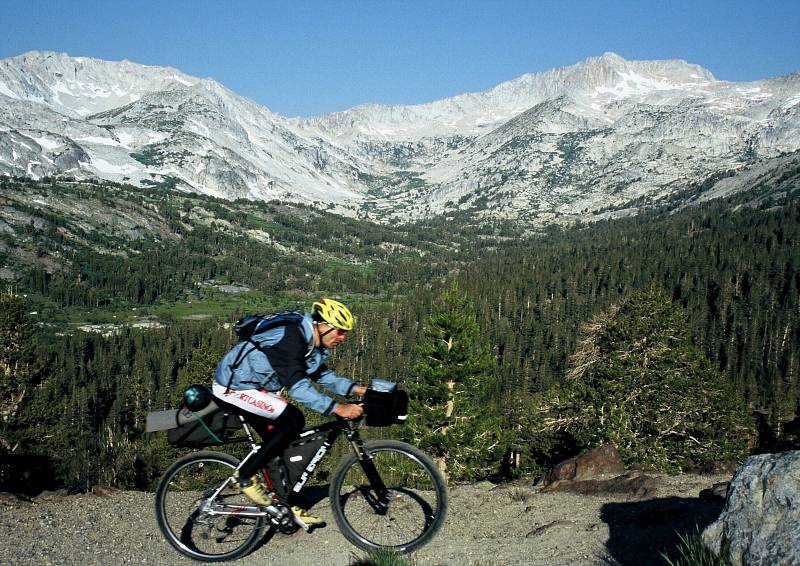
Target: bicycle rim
[183,489]
[408,517]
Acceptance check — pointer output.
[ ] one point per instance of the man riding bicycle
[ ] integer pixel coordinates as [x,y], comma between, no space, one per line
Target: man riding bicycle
[290,357]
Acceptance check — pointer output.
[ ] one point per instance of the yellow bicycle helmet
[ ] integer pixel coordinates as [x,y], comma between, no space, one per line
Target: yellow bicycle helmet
[334,313]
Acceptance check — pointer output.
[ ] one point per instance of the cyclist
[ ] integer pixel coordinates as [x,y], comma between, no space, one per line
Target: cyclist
[291,358]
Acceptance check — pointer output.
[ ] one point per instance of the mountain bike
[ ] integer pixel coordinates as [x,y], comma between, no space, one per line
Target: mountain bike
[385,494]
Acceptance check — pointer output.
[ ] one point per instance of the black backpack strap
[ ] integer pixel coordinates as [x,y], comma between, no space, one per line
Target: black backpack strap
[243,353]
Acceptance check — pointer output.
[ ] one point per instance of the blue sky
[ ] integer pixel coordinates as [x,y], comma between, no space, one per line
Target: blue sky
[312,57]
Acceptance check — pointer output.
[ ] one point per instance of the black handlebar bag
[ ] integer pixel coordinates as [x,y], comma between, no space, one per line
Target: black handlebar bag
[385,404]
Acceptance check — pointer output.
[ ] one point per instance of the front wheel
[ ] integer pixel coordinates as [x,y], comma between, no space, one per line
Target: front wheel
[401,517]
[183,509]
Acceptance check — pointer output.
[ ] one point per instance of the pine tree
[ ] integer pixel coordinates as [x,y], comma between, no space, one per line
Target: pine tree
[20,373]
[199,369]
[452,419]
[20,368]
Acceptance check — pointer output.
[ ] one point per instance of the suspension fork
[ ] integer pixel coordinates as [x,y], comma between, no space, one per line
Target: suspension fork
[378,498]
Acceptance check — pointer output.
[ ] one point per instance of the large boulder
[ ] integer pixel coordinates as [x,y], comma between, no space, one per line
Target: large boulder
[760,523]
[599,463]
[598,472]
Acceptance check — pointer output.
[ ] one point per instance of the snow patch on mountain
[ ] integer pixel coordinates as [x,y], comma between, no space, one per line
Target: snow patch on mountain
[4,90]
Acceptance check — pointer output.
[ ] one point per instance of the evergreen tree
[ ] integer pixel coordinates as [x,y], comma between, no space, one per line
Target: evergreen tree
[20,368]
[638,382]
[452,418]
[199,369]
[21,371]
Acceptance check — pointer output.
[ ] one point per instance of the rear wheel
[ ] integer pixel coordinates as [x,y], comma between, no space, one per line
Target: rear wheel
[404,516]
[188,526]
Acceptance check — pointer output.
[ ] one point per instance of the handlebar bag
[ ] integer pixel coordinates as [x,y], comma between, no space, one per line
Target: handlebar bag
[385,404]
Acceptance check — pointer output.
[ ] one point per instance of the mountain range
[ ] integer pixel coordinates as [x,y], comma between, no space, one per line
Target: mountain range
[603,137]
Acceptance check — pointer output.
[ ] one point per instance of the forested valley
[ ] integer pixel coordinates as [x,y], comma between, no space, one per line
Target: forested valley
[117,298]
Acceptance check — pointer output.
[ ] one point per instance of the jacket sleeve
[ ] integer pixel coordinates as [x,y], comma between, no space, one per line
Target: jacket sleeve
[306,394]
[287,358]
[331,381]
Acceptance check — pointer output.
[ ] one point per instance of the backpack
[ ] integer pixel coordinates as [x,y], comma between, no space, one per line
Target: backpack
[249,327]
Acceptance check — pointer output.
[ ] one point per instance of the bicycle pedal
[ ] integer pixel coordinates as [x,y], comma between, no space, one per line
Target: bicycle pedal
[301,520]
[302,524]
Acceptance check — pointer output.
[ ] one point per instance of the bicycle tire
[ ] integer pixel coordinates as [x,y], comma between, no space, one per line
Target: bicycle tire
[417,499]
[206,538]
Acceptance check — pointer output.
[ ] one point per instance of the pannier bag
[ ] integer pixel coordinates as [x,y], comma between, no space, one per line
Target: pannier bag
[216,427]
[385,404]
[206,425]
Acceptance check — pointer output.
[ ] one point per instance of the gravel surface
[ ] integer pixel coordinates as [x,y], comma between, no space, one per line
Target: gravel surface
[487,525]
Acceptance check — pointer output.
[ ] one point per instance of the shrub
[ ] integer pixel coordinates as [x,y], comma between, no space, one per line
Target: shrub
[638,382]
[381,558]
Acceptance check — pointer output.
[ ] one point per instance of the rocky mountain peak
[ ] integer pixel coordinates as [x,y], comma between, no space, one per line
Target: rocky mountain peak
[611,74]
[81,86]
[563,143]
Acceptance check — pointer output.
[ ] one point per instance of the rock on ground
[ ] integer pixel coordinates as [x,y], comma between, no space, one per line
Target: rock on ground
[761,520]
[601,462]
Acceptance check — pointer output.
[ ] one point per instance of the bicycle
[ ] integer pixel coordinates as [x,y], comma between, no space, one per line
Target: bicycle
[385,494]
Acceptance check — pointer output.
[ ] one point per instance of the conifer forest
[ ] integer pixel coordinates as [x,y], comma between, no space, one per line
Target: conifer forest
[508,338]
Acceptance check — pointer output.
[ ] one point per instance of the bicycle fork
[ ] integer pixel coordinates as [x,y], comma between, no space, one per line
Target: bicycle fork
[378,497]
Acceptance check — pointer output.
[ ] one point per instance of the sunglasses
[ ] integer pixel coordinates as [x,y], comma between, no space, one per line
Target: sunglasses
[338,331]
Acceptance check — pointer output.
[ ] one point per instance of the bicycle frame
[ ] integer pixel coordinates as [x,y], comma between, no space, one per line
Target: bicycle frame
[334,430]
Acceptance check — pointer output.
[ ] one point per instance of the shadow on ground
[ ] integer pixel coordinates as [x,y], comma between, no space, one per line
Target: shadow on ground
[27,475]
[640,531]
